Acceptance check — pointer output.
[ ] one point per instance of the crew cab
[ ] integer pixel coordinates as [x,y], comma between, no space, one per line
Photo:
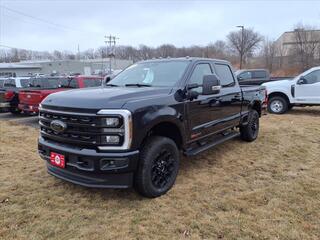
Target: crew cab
[9,93]
[256,76]
[30,99]
[303,90]
[131,132]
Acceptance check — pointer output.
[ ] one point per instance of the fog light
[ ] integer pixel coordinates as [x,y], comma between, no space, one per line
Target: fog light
[112,122]
[109,164]
[114,139]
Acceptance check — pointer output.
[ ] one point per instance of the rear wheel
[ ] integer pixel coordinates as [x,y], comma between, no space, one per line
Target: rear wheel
[14,111]
[250,131]
[158,167]
[277,105]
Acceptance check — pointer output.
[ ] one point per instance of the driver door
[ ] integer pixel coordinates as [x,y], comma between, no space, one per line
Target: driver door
[308,92]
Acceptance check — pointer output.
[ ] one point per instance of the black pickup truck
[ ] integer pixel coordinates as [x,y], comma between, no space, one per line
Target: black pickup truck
[131,131]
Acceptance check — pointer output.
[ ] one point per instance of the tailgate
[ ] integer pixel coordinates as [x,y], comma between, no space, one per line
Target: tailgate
[30,97]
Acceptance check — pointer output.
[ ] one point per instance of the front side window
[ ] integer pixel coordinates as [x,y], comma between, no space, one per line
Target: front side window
[225,74]
[156,74]
[245,75]
[199,71]
[313,77]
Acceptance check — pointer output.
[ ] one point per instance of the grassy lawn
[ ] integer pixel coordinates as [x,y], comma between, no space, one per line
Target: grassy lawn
[268,189]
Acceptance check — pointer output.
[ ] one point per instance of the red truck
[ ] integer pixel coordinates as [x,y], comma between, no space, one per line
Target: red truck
[30,99]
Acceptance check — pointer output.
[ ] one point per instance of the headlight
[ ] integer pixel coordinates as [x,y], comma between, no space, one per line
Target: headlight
[112,122]
[117,129]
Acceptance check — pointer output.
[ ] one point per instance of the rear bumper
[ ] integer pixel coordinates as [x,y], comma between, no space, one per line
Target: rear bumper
[4,105]
[29,108]
[90,168]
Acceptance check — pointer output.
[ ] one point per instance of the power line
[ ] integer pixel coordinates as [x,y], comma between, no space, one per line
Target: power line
[39,19]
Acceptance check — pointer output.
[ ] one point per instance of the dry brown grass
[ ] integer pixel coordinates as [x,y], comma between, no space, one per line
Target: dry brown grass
[268,189]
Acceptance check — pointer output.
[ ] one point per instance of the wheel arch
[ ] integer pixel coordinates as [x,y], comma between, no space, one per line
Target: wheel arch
[167,129]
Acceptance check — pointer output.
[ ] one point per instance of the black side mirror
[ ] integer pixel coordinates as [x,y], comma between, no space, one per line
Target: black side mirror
[107,79]
[211,85]
[302,80]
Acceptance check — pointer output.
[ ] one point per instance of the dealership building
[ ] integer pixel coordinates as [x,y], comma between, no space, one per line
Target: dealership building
[87,67]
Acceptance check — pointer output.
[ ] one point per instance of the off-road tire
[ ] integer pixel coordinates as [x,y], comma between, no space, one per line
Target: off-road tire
[250,131]
[150,162]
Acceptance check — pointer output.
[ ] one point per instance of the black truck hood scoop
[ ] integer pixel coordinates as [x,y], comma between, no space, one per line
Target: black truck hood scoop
[99,98]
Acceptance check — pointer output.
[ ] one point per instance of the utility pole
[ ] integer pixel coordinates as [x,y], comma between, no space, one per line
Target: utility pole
[111,43]
[241,52]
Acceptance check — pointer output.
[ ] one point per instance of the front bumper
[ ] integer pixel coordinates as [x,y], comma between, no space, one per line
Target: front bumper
[29,108]
[90,168]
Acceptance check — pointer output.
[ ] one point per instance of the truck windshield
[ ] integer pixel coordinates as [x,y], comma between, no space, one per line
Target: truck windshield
[156,74]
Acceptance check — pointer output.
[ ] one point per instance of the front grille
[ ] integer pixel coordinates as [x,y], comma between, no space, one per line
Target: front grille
[82,129]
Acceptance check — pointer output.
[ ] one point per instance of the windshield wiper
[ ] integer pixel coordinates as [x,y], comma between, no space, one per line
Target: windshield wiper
[111,85]
[137,85]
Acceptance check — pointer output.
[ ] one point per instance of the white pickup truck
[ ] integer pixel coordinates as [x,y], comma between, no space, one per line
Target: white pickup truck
[303,90]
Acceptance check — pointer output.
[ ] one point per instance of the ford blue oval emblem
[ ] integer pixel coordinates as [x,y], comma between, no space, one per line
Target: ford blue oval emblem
[58,126]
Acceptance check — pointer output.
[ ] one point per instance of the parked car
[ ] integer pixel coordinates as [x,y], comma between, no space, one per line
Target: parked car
[9,92]
[30,99]
[256,76]
[131,131]
[303,90]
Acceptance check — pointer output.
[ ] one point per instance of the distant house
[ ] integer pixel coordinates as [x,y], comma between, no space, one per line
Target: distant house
[288,42]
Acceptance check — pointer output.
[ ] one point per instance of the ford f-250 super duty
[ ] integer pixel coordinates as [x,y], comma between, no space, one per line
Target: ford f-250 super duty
[131,131]
[303,90]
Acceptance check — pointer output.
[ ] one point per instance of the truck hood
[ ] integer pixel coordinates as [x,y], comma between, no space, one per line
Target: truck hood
[100,98]
[285,82]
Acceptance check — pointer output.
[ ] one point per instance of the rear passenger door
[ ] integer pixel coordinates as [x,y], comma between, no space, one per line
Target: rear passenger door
[230,98]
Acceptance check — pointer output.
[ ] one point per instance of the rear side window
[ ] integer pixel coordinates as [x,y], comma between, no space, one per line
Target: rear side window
[259,74]
[199,71]
[9,83]
[225,74]
[92,82]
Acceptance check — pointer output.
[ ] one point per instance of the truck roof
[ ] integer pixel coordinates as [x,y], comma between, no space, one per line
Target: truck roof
[191,59]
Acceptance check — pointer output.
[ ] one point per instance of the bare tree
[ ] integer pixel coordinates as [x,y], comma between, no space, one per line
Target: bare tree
[307,43]
[268,53]
[244,42]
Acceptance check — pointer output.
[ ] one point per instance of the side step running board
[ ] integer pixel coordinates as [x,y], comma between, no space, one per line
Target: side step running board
[218,140]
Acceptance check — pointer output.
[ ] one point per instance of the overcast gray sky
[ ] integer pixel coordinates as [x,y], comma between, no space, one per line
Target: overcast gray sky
[62,25]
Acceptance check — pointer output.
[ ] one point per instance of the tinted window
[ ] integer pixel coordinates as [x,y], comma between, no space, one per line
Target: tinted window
[68,82]
[92,82]
[1,83]
[245,75]
[225,74]
[259,74]
[199,71]
[313,77]
[25,82]
[163,73]
[9,83]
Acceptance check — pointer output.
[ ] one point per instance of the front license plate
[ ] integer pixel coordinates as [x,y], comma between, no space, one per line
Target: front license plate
[57,159]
